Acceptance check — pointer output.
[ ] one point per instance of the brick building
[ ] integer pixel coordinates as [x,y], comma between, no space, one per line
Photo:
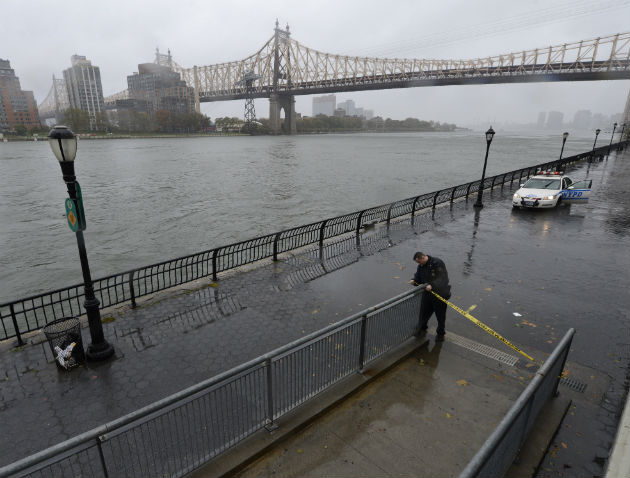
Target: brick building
[17,107]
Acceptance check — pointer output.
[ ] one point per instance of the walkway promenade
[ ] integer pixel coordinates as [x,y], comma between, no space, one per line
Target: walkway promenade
[530,275]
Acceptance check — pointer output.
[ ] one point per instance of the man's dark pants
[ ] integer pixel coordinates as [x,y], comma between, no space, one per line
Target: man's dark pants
[431,304]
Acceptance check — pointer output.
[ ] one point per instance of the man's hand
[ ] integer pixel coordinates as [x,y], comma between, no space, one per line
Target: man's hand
[413,282]
[428,288]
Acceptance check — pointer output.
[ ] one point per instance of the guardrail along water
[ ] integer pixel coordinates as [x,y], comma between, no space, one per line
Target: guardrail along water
[33,312]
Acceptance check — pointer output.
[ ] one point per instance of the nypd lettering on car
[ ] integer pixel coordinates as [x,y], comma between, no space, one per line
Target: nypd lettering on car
[549,189]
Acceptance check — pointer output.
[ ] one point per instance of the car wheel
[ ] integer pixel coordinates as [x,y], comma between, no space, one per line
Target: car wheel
[558,202]
[514,206]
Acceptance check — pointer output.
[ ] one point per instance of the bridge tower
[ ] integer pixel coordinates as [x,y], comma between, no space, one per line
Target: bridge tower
[250,112]
[282,77]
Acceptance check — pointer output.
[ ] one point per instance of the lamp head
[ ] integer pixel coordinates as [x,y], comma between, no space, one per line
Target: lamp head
[63,143]
[597,131]
[489,135]
[615,125]
[565,135]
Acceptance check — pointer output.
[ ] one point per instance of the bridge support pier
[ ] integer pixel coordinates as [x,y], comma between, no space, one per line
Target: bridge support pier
[277,103]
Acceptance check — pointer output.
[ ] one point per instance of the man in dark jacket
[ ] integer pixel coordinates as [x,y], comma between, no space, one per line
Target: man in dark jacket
[432,272]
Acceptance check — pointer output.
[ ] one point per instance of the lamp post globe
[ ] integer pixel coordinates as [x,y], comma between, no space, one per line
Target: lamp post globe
[63,143]
[489,136]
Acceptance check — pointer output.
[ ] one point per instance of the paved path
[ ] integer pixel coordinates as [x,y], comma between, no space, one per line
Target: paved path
[557,269]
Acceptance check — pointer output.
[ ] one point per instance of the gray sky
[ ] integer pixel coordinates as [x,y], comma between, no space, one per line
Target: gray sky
[39,36]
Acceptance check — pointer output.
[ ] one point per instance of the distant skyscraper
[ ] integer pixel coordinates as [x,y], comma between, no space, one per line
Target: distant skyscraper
[85,92]
[17,107]
[349,107]
[582,119]
[541,119]
[554,120]
[160,88]
[324,105]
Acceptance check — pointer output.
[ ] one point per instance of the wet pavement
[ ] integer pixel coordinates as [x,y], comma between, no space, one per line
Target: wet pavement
[530,275]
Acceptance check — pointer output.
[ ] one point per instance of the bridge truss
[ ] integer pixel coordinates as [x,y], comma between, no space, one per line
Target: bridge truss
[303,71]
[283,66]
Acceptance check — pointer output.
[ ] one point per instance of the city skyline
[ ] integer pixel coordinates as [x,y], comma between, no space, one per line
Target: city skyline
[488,28]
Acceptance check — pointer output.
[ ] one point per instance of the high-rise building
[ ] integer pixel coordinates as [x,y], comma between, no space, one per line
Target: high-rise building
[85,92]
[17,107]
[160,88]
[582,119]
[554,120]
[541,119]
[324,105]
[349,107]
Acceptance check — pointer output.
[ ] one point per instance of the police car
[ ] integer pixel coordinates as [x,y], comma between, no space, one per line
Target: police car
[549,189]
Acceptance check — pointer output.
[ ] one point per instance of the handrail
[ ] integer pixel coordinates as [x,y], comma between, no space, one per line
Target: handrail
[476,465]
[32,312]
[104,432]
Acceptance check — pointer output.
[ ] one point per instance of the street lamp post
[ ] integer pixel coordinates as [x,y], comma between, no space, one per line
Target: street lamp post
[489,136]
[597,131]
[565,135]
[623,127]
[611,138]
[63,143]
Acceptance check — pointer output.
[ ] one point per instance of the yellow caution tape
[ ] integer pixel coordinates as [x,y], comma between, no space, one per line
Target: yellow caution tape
[483,326]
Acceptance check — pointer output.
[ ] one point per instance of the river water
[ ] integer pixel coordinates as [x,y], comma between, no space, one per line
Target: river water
[148,200]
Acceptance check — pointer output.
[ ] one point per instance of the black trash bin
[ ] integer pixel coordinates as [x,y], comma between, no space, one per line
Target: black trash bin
[61,335]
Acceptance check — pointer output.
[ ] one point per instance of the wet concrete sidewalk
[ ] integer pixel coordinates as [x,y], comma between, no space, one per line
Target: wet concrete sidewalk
[425,415]
[529,275]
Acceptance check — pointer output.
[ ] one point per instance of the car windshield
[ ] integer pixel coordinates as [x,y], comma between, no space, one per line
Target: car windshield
[542,183]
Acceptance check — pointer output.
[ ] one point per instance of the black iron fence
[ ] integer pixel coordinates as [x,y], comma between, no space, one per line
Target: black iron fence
[177,434]
[32,313]
[501,449]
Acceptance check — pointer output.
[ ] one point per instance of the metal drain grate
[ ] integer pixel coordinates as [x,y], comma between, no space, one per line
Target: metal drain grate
[573,384]
[483,350]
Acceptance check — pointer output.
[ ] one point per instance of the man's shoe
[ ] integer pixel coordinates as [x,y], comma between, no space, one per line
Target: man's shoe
[439,338]
[421,333]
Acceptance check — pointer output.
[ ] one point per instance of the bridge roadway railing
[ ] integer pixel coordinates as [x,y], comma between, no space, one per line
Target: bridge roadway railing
[32,313]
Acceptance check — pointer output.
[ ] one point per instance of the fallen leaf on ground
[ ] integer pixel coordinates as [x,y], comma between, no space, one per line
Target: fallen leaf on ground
[462,382]
[448,415]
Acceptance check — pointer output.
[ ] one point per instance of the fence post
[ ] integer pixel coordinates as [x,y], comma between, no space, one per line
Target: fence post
[362,345]
[435,199]
[322,230]
[453,194]
[359,226]
[132,290]
[468,189]
[270,425]
[275,246]
[19,342]
[413,209]
[99,441]
[215,253]
[389,213]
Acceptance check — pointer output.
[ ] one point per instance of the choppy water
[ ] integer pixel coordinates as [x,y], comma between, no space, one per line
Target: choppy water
[148,200]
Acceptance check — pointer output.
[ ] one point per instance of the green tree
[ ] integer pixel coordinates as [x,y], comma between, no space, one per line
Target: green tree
[20,129]
[163,120]
[77,120]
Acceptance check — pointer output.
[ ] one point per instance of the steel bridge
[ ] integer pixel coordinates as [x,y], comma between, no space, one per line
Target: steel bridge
[284,68]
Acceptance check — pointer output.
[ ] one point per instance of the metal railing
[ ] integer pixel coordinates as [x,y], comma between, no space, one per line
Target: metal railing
[32,313]
[173,436]
[500,450]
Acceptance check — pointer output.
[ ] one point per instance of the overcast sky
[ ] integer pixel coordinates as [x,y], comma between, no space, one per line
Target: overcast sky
[39,36]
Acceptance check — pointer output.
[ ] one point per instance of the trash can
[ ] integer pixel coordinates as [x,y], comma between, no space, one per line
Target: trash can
[66,344]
